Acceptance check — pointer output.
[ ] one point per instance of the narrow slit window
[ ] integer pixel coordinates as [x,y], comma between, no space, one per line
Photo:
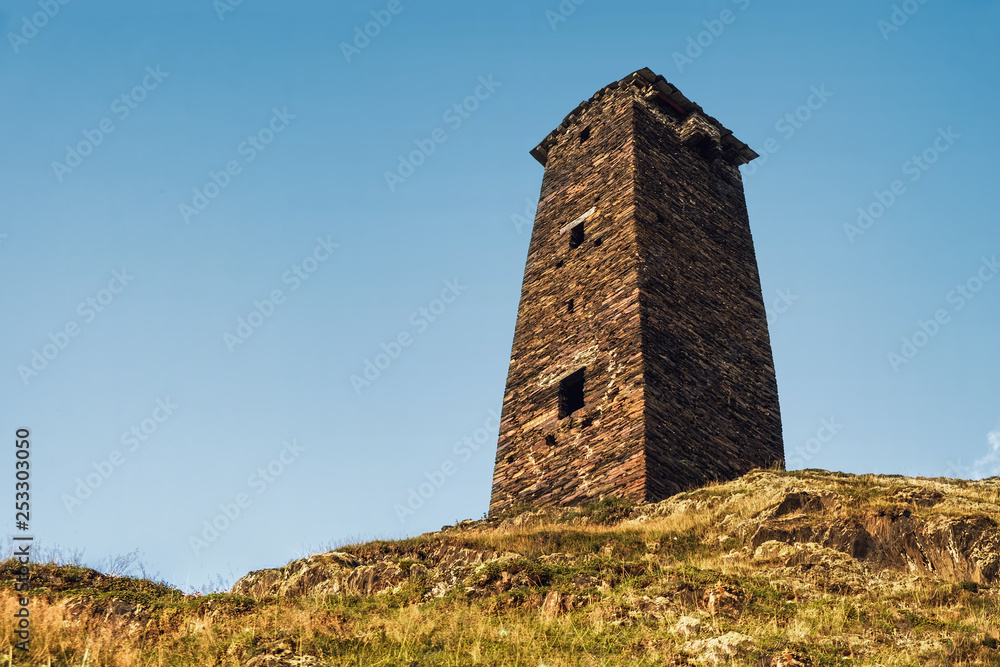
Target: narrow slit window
[571,393]
[576,236]
[569,306]
[585,134]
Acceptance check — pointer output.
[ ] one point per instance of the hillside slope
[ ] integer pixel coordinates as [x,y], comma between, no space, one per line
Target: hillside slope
[803,568]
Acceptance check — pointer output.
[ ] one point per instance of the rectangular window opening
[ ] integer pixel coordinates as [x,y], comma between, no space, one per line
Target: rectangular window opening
[571,393]
[576,236]
[569,306]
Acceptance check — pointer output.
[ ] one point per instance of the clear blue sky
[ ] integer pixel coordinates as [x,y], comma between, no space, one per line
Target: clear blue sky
[287,137]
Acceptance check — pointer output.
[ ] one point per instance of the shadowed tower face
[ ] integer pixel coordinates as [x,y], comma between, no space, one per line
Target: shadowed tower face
[641,364]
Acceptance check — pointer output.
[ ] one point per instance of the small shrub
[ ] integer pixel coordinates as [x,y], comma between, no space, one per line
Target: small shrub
[513,511]
[969,586]
[608,511]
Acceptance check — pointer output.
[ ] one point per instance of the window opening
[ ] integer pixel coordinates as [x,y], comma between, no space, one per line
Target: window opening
[571,393]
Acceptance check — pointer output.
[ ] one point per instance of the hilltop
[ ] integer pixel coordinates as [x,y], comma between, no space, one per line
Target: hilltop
[776,569]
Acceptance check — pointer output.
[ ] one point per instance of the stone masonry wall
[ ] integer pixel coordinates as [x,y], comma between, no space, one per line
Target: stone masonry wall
[595,451]
[711,405]
[667,317]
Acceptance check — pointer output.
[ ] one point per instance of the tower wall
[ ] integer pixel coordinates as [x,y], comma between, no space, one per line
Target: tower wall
[711,400]
[667,321]
[543,459]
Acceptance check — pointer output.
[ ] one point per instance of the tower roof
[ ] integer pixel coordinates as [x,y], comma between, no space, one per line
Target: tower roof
[669,94]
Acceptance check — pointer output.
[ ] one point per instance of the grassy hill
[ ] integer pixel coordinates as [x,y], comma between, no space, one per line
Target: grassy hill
[773,569]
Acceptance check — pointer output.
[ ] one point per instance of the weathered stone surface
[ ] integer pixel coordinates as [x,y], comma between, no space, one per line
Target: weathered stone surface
[830,532]
[557,603]
[825,567]
[720,600]
[440,570]
[113,613]
[658,301]
[266,661]
[686,626]
[953,548]
[283,659]
[926,527]
[719,650]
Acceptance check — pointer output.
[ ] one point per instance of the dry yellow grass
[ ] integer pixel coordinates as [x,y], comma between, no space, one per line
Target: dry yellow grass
[673,583]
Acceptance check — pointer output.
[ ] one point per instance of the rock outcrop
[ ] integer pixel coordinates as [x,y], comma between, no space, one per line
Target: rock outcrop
[820,522]
[774,569]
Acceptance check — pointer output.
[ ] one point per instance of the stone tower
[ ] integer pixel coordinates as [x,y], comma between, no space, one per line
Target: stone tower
[641,363]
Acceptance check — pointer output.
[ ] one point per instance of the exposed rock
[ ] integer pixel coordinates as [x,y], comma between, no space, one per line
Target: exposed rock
[719,600]
[114,613]
[557,603]
[337,573]
[813,566]
[266,661]
[282,659]
[953,548]
[831,541]
[647,607]
[719,650]
[686,626]
[919,497]
[803,501]
[828,568]
[785,660]
[334,569]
